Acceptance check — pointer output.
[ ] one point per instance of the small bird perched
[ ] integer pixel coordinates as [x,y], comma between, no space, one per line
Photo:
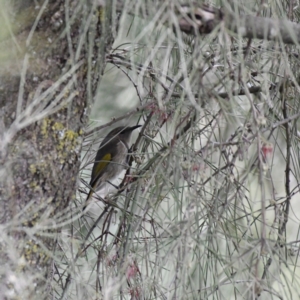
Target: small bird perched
[111,158]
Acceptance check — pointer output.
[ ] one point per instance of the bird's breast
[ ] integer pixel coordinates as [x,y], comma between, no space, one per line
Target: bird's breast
[122,152]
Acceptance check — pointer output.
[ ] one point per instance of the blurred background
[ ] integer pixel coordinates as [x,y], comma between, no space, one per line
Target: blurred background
[211,210]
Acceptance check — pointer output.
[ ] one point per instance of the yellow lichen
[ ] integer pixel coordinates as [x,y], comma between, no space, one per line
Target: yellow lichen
[60,145]
[66,139]
[32,169]
[58,126]
[44,127]
[71,135]
[33,184]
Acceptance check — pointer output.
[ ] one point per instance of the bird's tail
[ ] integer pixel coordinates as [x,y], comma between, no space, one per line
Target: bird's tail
[91,192]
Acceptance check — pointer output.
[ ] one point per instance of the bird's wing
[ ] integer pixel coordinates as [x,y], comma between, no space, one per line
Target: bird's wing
[99,167]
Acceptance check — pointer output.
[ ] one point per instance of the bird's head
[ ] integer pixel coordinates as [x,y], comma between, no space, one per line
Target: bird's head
[122,132]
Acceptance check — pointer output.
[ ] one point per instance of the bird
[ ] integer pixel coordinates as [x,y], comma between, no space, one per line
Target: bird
[111,158]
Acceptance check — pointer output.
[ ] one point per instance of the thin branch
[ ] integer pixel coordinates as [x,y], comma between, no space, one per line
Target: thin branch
[206,19]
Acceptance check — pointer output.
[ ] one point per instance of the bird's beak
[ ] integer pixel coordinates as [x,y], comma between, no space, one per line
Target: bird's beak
[133,127]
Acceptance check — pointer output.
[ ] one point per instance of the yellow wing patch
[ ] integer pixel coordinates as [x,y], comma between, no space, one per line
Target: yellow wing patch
[102,164]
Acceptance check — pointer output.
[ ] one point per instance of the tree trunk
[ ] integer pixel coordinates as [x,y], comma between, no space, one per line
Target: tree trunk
[53,56]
